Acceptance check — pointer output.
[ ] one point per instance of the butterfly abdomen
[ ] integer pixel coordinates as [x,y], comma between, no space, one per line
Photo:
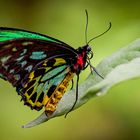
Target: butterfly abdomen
[51,105]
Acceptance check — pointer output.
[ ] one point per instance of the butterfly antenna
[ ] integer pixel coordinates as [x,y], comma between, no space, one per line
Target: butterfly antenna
[75,98]
[101,33]
[86,29]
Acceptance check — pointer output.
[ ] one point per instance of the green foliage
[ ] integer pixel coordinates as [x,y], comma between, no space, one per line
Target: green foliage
[120,66]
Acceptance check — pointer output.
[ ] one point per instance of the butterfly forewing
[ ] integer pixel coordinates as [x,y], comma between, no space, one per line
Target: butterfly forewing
[19,57]
[7,34]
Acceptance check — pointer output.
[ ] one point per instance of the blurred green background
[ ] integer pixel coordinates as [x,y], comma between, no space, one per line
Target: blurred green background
[115,116]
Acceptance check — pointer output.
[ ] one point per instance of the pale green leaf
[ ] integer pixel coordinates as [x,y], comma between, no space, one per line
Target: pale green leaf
[120,66]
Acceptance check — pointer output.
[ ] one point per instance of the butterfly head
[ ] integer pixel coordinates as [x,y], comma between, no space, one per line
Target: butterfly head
[88,54]
[86,51]
[83,55]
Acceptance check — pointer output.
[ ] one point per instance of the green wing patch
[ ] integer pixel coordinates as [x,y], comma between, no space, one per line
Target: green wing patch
[11,33]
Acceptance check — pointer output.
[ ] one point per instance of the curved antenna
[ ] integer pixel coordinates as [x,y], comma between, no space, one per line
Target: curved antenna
[101,33]
[86,26]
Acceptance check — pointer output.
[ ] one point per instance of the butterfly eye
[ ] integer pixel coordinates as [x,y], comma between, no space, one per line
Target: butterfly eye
[88,49]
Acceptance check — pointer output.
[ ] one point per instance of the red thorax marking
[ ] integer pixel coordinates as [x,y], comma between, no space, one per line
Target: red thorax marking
[80,62]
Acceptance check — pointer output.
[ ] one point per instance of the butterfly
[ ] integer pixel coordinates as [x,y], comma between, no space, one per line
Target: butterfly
[41,67]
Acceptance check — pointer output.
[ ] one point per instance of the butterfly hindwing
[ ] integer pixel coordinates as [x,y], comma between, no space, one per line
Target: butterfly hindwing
[37,89]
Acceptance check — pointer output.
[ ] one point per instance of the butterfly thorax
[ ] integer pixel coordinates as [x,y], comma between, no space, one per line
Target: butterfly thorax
[80,60]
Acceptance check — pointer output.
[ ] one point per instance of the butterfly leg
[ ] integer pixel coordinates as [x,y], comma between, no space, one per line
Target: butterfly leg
[76,99]
[93,69]
[72,83]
